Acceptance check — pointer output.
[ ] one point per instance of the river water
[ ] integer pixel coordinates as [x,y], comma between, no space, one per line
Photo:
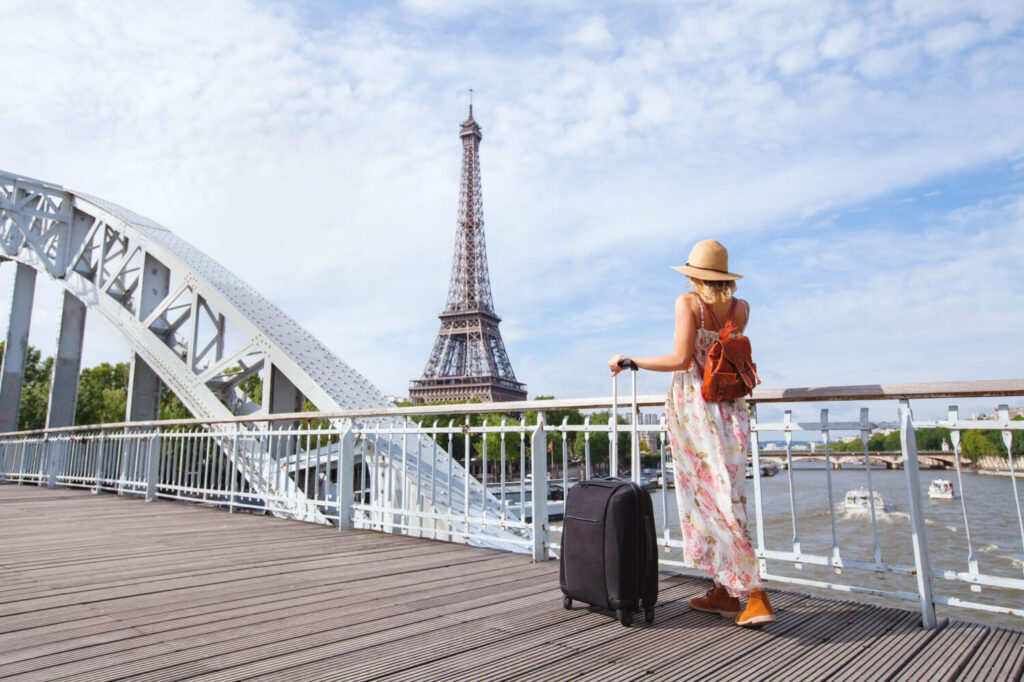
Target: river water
[991,513]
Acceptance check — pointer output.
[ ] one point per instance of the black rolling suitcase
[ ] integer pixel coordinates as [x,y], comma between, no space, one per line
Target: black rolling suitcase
[609,555]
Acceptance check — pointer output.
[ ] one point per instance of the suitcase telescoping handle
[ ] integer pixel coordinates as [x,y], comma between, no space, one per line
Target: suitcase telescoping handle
[625,363]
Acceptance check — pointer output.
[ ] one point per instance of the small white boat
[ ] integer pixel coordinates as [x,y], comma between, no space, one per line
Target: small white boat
[940,489]
[859,499]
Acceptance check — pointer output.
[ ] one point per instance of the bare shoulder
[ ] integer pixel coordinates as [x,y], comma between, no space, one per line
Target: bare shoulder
[687,302]
[687,308]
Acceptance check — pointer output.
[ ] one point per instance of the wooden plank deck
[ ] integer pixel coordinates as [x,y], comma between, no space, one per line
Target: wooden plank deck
[101,587]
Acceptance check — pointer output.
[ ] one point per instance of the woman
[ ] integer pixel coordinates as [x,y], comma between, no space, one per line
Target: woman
[709,442]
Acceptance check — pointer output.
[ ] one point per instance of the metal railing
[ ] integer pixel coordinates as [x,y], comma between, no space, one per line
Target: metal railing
[500,483]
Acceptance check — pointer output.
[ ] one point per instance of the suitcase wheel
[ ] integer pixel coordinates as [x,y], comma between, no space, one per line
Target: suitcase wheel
[567,602]
[625,617]
[649,615]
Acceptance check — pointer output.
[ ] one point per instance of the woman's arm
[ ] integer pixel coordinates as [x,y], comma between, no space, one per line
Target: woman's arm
[682,347]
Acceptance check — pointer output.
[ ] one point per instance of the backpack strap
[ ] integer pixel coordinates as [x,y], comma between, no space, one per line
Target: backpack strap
[693,360]
[728,319]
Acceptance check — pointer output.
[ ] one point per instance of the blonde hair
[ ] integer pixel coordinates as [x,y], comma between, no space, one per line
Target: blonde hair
[713,291]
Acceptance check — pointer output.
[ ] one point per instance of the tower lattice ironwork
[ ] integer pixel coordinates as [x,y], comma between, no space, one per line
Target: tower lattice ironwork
[468,359]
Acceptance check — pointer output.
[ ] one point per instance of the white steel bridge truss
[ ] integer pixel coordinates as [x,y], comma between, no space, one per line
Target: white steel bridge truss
[191,324]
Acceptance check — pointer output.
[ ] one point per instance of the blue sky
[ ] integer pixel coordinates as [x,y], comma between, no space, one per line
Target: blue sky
[863,162]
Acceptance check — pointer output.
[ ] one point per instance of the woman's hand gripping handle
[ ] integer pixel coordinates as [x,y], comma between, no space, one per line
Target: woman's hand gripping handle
[621,362]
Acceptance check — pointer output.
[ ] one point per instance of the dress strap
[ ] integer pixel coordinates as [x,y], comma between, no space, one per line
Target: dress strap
[701,303]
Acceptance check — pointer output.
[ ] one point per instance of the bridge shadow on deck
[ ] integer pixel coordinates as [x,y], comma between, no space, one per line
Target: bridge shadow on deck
[106,587]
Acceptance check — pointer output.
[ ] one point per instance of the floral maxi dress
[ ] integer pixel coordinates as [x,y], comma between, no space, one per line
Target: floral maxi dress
[709,449]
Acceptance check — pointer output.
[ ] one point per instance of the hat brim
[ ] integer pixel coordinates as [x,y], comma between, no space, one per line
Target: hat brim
[706,274]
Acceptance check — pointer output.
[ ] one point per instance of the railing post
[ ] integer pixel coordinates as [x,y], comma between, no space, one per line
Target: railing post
[787,419]
[99,460]
[755,454]
[586,448]
[234,469]
[153,466]
[917,528]
[1004,419]
[346,467]
[538,469]
[54,460]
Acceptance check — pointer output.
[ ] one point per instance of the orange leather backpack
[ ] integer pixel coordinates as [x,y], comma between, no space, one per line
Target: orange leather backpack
[729,372]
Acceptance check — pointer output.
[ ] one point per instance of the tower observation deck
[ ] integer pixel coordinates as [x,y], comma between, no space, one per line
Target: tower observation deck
[468,359]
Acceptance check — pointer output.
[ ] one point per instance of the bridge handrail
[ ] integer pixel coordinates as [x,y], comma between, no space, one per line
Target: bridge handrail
[937,389]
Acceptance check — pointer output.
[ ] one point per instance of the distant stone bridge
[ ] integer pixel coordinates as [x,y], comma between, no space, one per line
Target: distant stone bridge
[928,459]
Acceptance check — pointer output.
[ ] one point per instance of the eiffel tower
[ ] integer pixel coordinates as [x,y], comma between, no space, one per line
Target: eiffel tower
[468,359]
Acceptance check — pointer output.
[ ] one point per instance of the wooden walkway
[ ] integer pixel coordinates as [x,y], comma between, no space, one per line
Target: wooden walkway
[101,587]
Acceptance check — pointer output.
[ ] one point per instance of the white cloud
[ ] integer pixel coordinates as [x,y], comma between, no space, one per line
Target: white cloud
[843,41]
[947,41]
[797,59]
[891,61]
[593,33]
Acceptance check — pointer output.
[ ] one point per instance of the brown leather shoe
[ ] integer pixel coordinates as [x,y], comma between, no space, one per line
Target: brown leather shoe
[717,600]
[758,611]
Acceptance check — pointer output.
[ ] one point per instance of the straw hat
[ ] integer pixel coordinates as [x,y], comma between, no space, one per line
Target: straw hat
[708,261]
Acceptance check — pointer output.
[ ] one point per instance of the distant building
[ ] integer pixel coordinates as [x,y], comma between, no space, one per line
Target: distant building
[1014,412]
[649,438]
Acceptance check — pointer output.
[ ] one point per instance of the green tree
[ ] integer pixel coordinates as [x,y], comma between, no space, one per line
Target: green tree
[552,422]
[877,442]
[457,421]
[35,391]
[513,441]
[600,450]
[931,439]
[855,445]
[975,444]
[1017,448]
[102,394]
[171,406]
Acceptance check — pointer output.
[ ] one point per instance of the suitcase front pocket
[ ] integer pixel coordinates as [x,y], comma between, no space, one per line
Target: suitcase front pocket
[583,559]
